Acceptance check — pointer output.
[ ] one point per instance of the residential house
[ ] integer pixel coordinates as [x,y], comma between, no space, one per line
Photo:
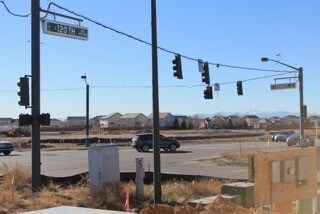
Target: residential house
[111,120]
[6,121]
[55,122]
[218,122]
[314,118]
[75,121]
[235,119]
[133,120]
[165,119]
[203,124]
[180,118]
[253,121]
[265,123]
[290,120]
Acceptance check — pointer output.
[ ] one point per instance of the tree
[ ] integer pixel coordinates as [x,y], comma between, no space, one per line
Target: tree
[245,124]
[183,125]
[176,125]
[190,125]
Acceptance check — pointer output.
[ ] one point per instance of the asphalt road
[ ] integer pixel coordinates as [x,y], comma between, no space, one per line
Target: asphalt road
[184,161]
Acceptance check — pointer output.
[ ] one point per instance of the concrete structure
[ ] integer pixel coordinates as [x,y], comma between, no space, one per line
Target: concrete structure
[133,120]
[104,165]
[253,121]
[111,120]
[165,119]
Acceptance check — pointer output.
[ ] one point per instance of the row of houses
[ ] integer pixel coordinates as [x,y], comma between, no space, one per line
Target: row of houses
[137,120]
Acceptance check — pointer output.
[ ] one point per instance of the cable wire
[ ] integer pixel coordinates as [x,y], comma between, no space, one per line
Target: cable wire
[161,48]
[14,14]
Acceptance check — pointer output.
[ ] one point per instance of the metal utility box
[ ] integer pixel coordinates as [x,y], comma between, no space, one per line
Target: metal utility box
[288,170]
[245,190]
[303,168]
[275,172]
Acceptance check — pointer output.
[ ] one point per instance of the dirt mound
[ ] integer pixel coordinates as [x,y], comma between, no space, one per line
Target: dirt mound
[219,206]
[223,205]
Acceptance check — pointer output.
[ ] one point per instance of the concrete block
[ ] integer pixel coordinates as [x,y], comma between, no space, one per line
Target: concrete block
[245,190]
[236,199]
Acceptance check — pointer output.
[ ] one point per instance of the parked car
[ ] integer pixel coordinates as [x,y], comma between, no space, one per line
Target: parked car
[282,136]
[295,139]
[6,147]
[143,143]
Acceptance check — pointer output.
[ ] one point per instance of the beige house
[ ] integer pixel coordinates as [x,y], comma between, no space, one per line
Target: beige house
[133,120]
[165,119]
[253,121]
[111,120]
[218,122]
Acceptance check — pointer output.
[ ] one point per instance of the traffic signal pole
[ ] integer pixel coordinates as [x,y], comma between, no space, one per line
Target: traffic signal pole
[155,92]
[35,94]
[300,77]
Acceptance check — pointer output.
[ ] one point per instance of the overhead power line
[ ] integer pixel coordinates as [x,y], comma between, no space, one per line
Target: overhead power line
[14,14]
[161,48]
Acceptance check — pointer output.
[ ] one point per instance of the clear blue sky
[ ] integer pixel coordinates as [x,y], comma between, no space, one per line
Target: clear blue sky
[228,32]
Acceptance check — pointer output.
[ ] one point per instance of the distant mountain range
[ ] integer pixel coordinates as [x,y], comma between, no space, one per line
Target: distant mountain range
[262,114]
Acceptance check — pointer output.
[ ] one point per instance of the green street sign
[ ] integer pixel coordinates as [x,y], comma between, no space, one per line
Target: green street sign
[64,29]
[283,86]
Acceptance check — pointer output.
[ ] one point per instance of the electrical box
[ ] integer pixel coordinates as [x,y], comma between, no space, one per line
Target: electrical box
[303,168]
[288,170]
[275,172]
[245,190]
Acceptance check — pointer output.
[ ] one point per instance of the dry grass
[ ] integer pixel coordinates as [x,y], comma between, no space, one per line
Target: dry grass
[233,158]
[16,194]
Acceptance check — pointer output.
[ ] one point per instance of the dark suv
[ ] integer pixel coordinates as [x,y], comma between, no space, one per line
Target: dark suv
[6,147]
[143,142]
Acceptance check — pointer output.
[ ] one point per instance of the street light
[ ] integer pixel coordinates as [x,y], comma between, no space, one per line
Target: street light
[84,77]
[300,78]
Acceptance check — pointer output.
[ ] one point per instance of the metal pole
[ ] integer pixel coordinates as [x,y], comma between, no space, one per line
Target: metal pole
[87,116]
[156,137]
[301,102]
[35,94]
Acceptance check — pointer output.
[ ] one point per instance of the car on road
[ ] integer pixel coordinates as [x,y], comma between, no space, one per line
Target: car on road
[295,139]
[143,142]
[282,136]
[6,147]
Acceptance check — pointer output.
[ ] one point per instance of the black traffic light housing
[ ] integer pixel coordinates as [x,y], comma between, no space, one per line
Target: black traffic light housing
[205,73]
[208,93]
[177,67]
[25,120]
[304,112]
[23,92]
[239,88]
[45,119]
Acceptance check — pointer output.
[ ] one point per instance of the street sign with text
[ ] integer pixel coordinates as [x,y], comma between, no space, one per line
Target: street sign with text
[64,29]
[283,86]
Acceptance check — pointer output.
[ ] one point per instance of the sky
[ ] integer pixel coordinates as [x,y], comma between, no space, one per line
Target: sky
[119,69]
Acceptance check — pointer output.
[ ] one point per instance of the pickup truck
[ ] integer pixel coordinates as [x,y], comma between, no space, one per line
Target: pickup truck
[6,147]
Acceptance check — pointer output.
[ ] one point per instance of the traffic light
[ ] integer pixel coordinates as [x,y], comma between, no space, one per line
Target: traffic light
[45,119]
[23,92]
[205,73]
[304,112]
[208,93]
[25,120]
[177,67]
[239,88]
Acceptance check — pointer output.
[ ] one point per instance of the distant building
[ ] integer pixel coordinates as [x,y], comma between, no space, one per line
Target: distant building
[55,123]
[6,121]
[236,120]
[111,120]
[165,119]
[133,120]
[290,120]
[218,122]
[253,121]
[75,121]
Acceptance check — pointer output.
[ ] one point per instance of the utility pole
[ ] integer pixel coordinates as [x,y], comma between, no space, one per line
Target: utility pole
[35,94]
[300,77]
[87,116]
[155,91]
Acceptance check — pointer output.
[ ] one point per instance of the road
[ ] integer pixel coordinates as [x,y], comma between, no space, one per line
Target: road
[184,161]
